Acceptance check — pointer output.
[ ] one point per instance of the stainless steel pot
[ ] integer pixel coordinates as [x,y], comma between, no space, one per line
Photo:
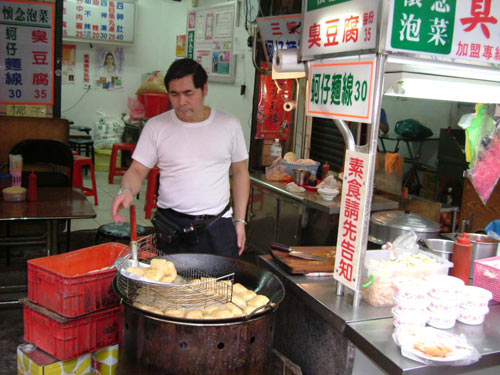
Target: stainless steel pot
[154,344]
[386,226]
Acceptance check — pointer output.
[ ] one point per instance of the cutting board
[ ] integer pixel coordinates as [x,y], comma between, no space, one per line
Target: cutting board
[296,265]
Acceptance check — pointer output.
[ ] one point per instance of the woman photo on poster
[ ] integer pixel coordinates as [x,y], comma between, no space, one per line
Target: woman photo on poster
[109,72]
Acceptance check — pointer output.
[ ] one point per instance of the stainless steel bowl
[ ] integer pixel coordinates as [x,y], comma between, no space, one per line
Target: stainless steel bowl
[439,247]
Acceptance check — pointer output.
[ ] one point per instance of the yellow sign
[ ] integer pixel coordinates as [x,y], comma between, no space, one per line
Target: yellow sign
[180,46]
[26,110]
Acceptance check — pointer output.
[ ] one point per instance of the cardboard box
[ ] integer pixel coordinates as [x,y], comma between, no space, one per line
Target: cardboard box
[34,361]
[105,361]
[103,158]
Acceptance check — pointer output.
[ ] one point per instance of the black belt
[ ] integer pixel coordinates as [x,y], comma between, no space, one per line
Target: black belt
[193,217]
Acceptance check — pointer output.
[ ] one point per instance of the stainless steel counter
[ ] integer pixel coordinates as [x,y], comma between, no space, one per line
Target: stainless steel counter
[374,339]
[313,200]
[370,328]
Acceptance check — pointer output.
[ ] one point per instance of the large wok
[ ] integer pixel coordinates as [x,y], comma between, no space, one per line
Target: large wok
[155,344]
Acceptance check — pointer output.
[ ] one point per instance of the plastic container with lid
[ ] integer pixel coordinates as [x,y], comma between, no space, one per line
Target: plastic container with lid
[14,194]
[382,271]
[462,258]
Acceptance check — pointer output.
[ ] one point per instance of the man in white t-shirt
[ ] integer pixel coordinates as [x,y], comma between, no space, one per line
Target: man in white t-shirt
[194,146]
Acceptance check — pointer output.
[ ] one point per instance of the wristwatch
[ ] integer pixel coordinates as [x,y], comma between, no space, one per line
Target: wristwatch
[123,188]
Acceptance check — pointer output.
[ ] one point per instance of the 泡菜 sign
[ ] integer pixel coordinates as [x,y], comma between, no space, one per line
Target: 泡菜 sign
[465,29]
[351,228]
[281,32]
[338,26]
[341,89]
[100,20]
[27,45]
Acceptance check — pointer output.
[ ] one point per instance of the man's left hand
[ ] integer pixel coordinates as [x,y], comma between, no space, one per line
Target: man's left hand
[241,236]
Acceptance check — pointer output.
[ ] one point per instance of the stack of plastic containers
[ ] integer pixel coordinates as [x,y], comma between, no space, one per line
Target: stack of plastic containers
[71,308]
[411,302]
[438,301]
[474,305]
[445,294]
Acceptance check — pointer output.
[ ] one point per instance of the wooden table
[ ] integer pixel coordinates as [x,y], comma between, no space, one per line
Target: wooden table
[53,204]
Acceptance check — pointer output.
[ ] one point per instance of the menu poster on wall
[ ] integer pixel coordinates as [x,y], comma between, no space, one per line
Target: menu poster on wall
[27,51]
[107,21]
[210,41]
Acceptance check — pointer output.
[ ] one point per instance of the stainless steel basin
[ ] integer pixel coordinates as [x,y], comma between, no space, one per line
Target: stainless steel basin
[439,247]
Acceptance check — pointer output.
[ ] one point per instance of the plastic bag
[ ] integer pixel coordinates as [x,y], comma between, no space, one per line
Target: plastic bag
[485,173]
[435,347]
[136,108]
[109,130]
[411,128]
[153,85]
[406,241]
[276,171]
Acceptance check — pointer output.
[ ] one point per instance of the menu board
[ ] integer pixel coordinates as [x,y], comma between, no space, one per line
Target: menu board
[27,52]
[210,40]
[108,21]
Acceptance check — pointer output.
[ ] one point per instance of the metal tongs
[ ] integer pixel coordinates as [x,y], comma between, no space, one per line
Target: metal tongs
[133,236]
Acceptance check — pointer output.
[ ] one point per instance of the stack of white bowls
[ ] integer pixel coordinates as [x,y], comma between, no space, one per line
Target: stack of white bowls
[411,302]
[445,297]
[474,305]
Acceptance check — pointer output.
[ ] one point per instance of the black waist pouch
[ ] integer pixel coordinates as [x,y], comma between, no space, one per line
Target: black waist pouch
[167,232]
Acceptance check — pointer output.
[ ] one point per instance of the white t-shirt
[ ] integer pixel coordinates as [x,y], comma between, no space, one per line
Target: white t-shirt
[194,160]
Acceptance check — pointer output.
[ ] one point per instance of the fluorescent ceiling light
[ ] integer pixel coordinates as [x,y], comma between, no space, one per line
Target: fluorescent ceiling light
[425,86]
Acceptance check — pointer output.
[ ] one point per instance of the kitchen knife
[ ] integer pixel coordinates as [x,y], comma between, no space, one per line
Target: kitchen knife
[294,253]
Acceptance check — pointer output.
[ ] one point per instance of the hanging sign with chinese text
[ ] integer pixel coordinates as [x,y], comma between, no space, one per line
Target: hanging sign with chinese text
[338,26]
[351,228]
[342,89]
[27,50]
[279,32]
[465,29]
[107,21]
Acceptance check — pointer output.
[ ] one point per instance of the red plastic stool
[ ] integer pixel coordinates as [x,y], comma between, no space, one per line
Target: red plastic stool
[78,163]
[151,191]
[113,169]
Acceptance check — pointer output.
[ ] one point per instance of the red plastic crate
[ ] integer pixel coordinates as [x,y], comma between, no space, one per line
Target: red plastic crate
[487,275]
[62,283]
[155,104]
[66,338]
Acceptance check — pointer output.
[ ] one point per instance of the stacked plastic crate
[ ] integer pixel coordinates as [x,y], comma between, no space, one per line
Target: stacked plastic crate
[71,310]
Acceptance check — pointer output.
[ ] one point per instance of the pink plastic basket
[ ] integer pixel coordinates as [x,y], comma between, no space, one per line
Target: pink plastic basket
[487,275]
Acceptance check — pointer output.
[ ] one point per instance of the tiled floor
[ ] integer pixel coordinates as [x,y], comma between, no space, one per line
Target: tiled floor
[106,193]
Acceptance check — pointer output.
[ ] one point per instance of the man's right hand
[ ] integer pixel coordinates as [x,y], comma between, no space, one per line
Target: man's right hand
[121,201]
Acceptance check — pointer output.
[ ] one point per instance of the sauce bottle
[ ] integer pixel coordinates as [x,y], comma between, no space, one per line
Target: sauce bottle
[462,258]
[324,170]
[32,187]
